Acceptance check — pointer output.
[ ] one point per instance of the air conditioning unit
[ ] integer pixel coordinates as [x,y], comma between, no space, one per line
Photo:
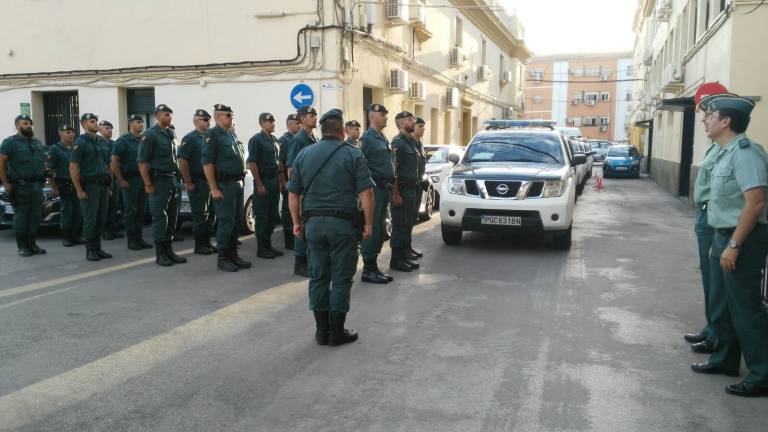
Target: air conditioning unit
[605,77]
[590,102]
[576,101]
[417,91]
[663,10]
[398,80]
[457,56]
[397,11]
[452,97]
[603,128]
[674,73]
[483,73]
[418,12]
[506,77]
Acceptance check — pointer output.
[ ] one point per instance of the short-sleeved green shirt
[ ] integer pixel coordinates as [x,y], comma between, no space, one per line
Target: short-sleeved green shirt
[191,150]
[301,141]
[107,145]
[285,146]
[742,165]
[126,148]
[225,151]
[407,158]
[378,155]
[702,189]
[337,185]
[88,153]
[157,147]
[263,151]
[59,155]
[26,157]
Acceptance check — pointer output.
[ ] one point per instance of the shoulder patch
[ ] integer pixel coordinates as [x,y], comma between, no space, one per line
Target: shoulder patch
[75,147]
[744,143]
[207,140]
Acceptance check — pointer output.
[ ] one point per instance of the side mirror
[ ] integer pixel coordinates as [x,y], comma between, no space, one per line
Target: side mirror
[579,159]
[453,158]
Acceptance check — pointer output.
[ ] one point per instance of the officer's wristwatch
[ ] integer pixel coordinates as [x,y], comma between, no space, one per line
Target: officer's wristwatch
[732,244]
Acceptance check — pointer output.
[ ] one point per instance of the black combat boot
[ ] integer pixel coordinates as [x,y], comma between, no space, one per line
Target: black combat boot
[140,240]
[100,251]
[372,274]
[414,265]
[23,245]
[321,327]
[224,263]
[76,239]
[397,262]
[66,239]
[275,252]
[107,235]
[90,251]
[172,255]
[201,246]
[288,239]
[177,238]
[338,335]
[116,233]
[133,243]
[410,255]
[300,266]
[415,252]
[161,258]
[32,244]
[262,250]
[234,256]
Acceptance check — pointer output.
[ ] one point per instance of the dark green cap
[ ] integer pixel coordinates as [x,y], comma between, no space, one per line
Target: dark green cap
[266,117]
[352,123]
[292,117]
[420,120]
[163,108]
[66,127]
[306,109]
[202,113]
[731,101]
[21,117]
[222,108]
[403,114]
[332,114]
[105,123]
[88,116]
[135,117]
[377,108]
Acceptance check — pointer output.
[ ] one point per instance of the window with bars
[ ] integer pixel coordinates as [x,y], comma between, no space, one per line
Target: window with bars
[605,96]
[589,121]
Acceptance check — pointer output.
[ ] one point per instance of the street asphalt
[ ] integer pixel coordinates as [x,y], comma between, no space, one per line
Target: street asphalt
[498,334]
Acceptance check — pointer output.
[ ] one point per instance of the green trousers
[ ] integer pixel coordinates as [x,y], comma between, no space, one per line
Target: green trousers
[402,219]
[228,212]
[200,205]
[134,205]
[332,244]
[164,208]
[94,209]
[416,206]
[70,216]
[113,204]
[371,248]
[704,234]
[266,208]
[285,213]
[738,315]
[28,211]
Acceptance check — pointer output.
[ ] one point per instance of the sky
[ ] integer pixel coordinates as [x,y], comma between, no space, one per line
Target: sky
[573,26]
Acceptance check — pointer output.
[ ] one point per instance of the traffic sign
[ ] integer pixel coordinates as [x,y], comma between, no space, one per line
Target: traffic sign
[301,95]
[708,89]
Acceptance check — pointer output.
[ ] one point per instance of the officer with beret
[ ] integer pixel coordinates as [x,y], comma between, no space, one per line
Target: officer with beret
[111,230]
[381,162]
[328,181]
[406,189]
[125,169]
[190,162]
[89,170]
[70,218]
[418,134]
[263,162]
[292,125]
[223,158]
[23,174]
[159,166]
[737,211]
[308,118]
[352,129]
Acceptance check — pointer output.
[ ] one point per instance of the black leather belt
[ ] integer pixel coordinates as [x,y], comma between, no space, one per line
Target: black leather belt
[21,181]
[409,183]
[220,176]
[164,173]
[104,180]
[61,181]
[328,213]
[383,183]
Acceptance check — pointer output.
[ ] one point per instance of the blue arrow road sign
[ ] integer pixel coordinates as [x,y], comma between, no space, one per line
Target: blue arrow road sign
[301,95]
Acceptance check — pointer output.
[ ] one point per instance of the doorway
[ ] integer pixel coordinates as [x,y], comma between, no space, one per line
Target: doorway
[59,108]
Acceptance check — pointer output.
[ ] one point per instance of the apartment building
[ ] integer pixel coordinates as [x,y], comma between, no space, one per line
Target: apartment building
[590,91]
[680,45]
[454,62]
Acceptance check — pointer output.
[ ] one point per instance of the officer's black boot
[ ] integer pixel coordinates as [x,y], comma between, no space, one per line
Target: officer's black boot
[21,243]
[177,238]
[411,255]
[224,263]
[201,245]
[321,327]
[300,266]
[288,239]
[275,252]
[371,274]
[100,251]
[133,243]
[172,255]
[140,240]
[66,240]
[386,276]
[161,258]
[234,256]
[117,234]
[414,265]
[76,239]
[397,262]
[107,235]
[37,250]
[415,252]
[262,250]
[90,251]
[338,335]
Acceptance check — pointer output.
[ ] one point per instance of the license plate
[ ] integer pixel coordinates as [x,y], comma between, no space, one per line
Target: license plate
[621,168]
[185,208]
[501,220]
[8,209]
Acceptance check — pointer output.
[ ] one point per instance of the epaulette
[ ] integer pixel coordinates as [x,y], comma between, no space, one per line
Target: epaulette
[744,143]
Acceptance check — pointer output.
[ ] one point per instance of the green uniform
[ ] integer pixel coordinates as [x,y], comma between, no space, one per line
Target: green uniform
[70,217]
[157,147]
[422,164]
[91,157]
[409,185]
[381,162]
[704,232]
[332,239]
[738,316]
[26,172]
[227,153]
[263,151]
[285,212]
[135,197]
[301,141]
[113,202]
[200,201]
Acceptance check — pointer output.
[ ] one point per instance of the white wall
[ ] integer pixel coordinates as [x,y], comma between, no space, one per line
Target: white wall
[622,105]
[560,93]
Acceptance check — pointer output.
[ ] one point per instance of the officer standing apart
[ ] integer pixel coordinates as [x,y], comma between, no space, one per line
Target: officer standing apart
[352,129]
[405,193]
[90,176]
[70,218]
[263,163]
[304,138]
[293,126]
[125,169]
[159,167]
[223,160]
[381,162]
[199,194]
[737,212]
[111,231]
[22,171]
[418,134]
[330,176]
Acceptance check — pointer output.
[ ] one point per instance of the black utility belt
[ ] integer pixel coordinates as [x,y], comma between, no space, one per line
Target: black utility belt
[268,173]
[160,173]
[21,181]
[409,183]
[62,181]
[102,180]
[130,175]
[346,215]
[383,183]
[220,176]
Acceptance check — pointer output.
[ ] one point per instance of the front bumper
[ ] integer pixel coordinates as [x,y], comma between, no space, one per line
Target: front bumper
[615,170]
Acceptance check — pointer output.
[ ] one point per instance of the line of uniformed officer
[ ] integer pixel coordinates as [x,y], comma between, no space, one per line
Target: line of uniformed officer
[292,125]
[405,194]
[263,152]
[733,191]
[70,219]
[111,230]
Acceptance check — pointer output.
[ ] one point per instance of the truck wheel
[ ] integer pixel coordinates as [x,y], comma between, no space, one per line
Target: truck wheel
[451,236]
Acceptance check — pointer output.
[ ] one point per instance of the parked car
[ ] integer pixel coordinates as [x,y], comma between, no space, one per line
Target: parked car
[249,224]
[581,169]
[426,208]
[622,161]
[51,208]
[516,177]
[600,147]
[438,164]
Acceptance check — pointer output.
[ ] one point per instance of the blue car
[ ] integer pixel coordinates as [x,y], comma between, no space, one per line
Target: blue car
[622,161]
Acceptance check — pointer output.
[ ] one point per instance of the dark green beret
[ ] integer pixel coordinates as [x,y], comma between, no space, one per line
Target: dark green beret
[88,116]
[66,127]
[222,108]
[135,117]
[105,123]
[332,114]
[377,108]
[306,109]
[420,120]
[202,113]
[402,115]
[352,123]
[163,108]
[266,117]
[21,117]
[730,101]
[292,117]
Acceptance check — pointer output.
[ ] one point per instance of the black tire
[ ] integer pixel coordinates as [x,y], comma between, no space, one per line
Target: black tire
[562,241]
[451,236]
[249,223]
[579,189]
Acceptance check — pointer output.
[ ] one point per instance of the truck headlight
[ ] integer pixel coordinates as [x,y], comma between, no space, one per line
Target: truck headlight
[553,188]
[457,187]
